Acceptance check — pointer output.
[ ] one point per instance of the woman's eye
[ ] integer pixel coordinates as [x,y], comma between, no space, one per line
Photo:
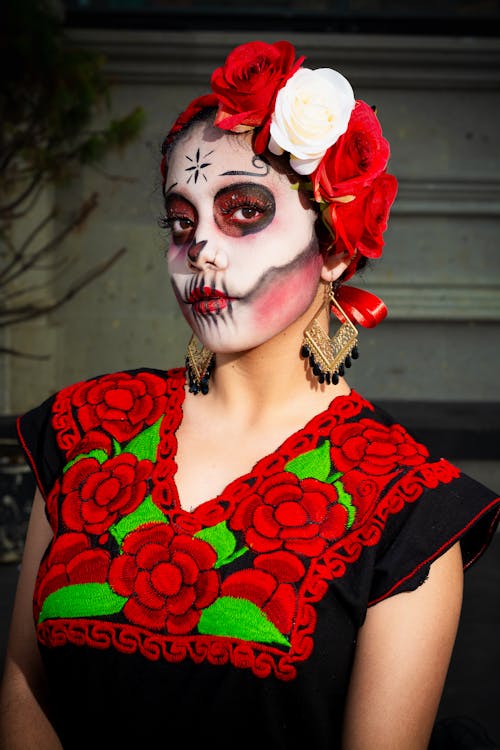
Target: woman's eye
[178,226]
[181,229]
[246,213]
[180,219]
[244,209]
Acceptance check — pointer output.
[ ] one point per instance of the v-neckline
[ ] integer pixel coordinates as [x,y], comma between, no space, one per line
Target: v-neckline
[169,445]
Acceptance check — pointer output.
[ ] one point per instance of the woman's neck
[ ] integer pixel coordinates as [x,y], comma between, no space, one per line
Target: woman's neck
[272,377]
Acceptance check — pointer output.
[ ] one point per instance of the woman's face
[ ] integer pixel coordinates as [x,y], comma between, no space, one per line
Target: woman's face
[243,255]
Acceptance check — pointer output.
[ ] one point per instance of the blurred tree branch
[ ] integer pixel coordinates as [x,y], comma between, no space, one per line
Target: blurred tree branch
[50,99]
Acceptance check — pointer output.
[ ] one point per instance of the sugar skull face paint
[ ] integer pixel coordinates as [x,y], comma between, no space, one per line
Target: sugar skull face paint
[243,255]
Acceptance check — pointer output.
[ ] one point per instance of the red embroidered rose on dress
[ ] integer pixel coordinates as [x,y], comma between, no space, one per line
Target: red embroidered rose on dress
[93,440]
[299,515]
[120,403]
[168,577]
[276,599]
[69,561]
[374,448]
[96,495]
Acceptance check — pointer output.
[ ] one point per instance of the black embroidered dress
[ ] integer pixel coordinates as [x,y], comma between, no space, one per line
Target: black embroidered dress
[233,625]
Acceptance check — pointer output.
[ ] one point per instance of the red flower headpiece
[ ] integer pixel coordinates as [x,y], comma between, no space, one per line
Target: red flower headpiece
[329,136]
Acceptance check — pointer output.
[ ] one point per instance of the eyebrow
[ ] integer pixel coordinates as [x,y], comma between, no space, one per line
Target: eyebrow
[235,172]
[261,169]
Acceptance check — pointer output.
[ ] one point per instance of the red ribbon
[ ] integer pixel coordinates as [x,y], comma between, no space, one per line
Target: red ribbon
[360,306]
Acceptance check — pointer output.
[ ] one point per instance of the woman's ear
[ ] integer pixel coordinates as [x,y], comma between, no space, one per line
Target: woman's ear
[334,266]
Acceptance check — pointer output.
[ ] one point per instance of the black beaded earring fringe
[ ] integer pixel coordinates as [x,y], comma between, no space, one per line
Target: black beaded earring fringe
[195,385]
[330,378]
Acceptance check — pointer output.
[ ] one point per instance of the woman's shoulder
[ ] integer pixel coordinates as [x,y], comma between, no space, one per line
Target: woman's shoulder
[129,398]
[411,503]
[126,378]
[113,406]
[118,387]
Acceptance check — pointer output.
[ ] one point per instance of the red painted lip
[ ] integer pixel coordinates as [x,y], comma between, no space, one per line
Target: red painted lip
[207,301]
[205,292]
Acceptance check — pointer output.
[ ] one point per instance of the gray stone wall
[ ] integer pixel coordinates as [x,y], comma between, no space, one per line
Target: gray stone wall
[438,100]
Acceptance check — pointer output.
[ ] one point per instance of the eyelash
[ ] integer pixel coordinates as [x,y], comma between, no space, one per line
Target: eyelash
[168,221]
[231,205]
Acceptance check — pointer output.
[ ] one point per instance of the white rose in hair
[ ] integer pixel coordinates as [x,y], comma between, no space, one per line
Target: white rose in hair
[312,111]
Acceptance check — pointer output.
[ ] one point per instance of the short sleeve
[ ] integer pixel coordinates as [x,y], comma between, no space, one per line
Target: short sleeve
[39,442]
[461,510]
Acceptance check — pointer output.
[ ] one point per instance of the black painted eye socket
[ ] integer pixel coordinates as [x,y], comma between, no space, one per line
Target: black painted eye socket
[180,218]
[239,210]
[243,209]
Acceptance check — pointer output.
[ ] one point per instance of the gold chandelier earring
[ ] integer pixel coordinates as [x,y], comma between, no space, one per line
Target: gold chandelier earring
[199,365]
[328,357]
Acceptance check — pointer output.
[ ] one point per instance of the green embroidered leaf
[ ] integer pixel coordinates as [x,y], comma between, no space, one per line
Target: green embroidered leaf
[82,600]
[145,444]
[346,500]
[98,454]
[315,463]
[147,512]
[239,618]
[239,552]
[333,477]
[117,449]
[223,541]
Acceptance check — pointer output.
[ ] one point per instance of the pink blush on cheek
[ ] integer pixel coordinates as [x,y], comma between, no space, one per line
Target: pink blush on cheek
[287,297]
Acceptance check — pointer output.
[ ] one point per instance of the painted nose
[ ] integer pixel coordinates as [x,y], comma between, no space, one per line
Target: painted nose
[200,255]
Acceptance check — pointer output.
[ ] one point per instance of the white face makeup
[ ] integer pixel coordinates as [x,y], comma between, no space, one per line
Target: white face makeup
[243,256]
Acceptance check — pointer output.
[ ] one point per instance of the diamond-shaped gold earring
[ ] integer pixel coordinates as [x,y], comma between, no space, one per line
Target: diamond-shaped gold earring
[328,357]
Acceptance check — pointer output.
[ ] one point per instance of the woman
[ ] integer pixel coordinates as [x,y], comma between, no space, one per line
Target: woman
[245,550]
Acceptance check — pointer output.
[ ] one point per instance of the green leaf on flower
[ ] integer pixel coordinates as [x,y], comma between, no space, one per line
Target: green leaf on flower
[82,600]
[145,444]
[346,500]
[117,449]
[146,512]
[239,618]
[333,477]
[313,464]
[223,541]
[99,454]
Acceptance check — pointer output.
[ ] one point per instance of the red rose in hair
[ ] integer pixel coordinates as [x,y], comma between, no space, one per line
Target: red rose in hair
[298,515]
[96,495]
[374,448]
[122,404]
[355,160]
[168,578]
[70,560]
[359,224]
[247,85]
